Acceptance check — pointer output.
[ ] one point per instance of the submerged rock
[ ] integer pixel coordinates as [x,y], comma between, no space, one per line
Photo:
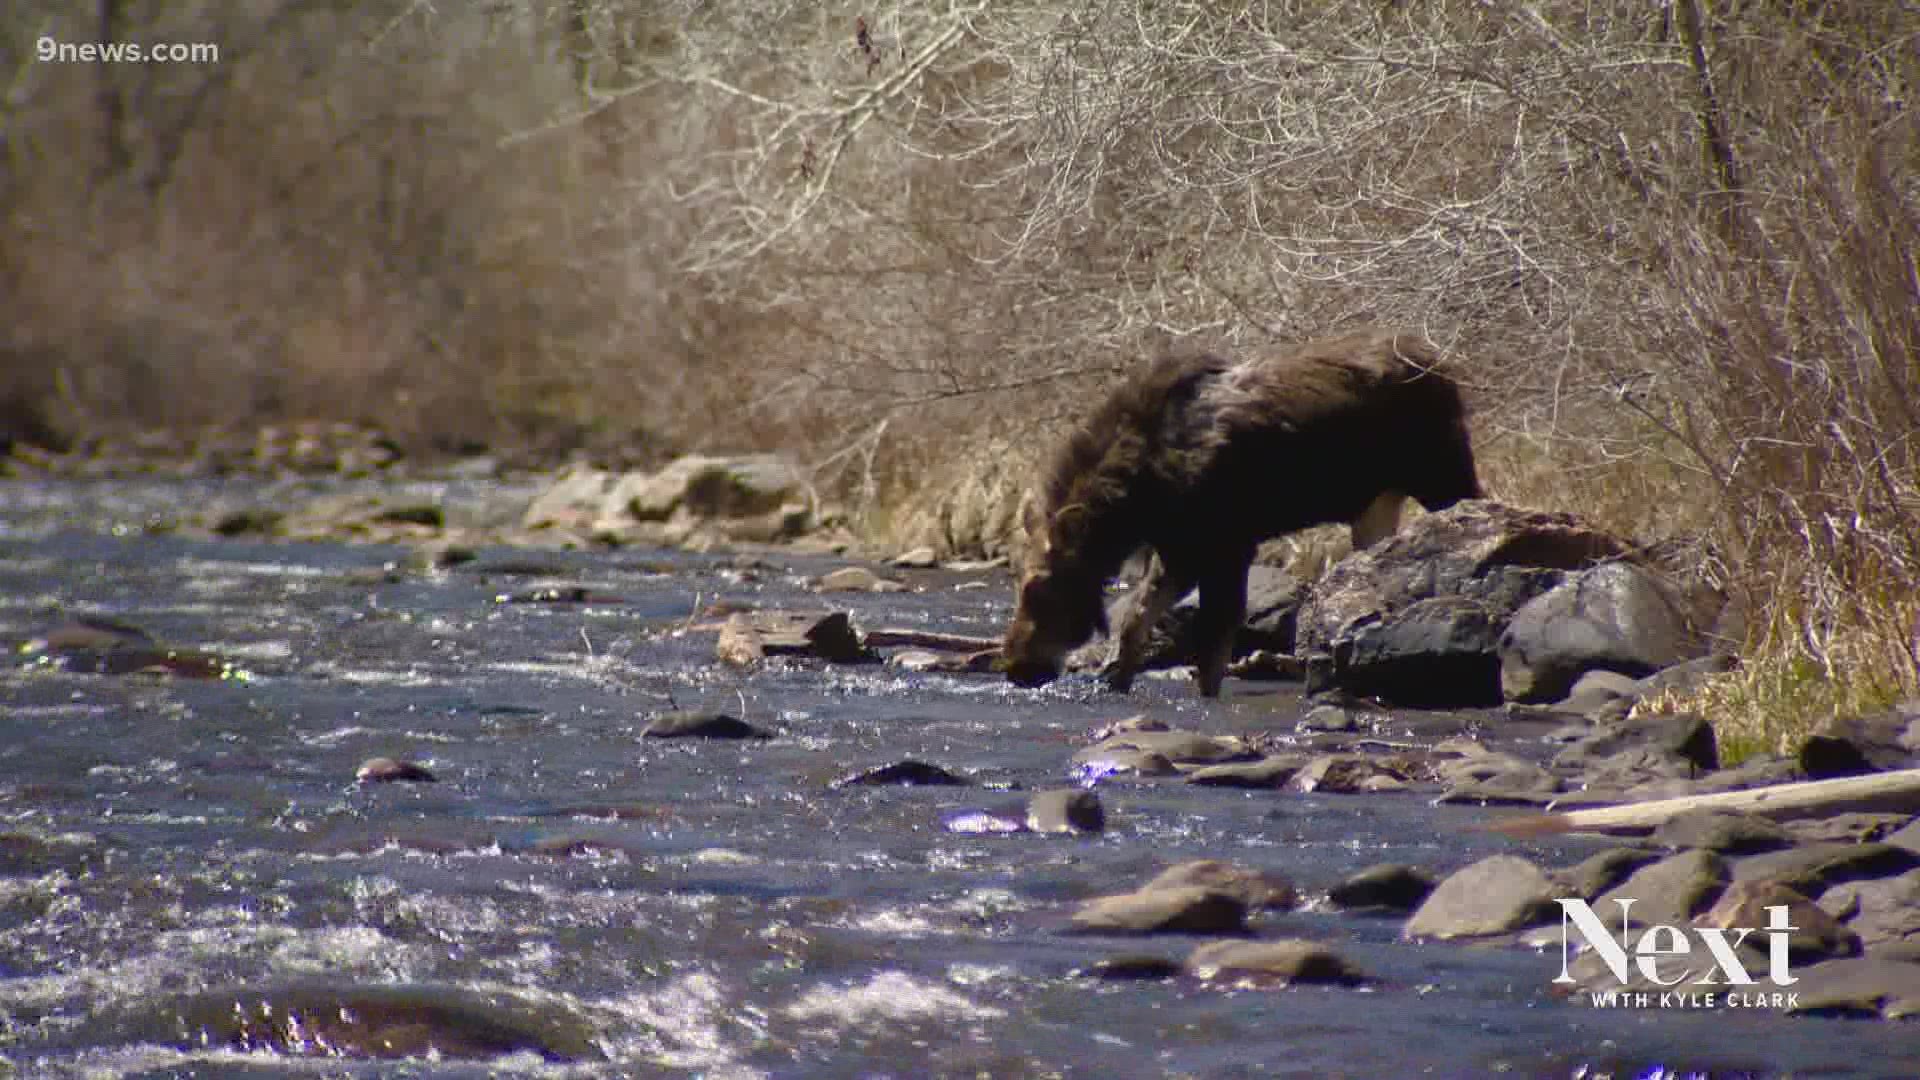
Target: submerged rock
[1185,910]
[377,1022]
[1066,810]
[1288,960]
[1385,887]
[386,770]
[1257,889]
[701,725]
[908,772]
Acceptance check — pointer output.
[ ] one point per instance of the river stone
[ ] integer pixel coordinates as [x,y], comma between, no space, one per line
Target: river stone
[1670,891]
[702,725]
[1724,831]
[1601,871]
[920,558]
[1189,910]
[1863,986]
[1180,747]
[1498,894]
[1343,774]
[1137,722]
[856,579]
[1816,935]
[373,1022]
[1681,734]
[1616,616]
[1288,959]
[1601,695]
[1337,719]
[386,770]
[1879,911]
[1386,887]
[1907,837]
[1497,780]
[1856,745]
[1257,889]
[1091,767]
[1814,868]
[908,773]
[1271,771]
[1066,810]
[1857,827]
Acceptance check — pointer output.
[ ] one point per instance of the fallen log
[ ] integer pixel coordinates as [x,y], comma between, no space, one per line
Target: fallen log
[1885,792]
[886,638]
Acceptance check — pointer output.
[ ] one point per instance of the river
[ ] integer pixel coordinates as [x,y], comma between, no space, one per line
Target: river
[192,882]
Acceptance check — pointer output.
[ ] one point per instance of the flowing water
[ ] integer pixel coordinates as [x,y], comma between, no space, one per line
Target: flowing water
[192,882]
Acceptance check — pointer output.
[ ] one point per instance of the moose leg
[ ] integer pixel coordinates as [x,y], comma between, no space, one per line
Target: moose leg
[1151,599]
[1378,521]
[1223,606]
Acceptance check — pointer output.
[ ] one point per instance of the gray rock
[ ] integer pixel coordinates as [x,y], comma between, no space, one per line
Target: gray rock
[1907,836]
[1257,889]
[1601,871]
[701,725]
[1668,892]
[1385,887]
[1863,986]
[1723,831]
[1683,735]
[1436,652]
[1496,895]
[1417,618]
[1497,780]
[1881,912]
[1345,774]
[1616,616]
[1814,868]
[1853,746]
[1272,771]
[1815,936]
[1192,910]
[1600,694]
[1137,722]
[1096,764]
[1180,747]
[908,772]
[1853,828]
[386,770]
[1290,960]
[856,579]
[1066,810]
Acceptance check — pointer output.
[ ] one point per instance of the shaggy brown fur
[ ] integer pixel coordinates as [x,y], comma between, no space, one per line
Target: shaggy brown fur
[1201,459]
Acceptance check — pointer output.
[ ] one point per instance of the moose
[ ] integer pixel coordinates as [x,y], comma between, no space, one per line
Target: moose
[1200,459]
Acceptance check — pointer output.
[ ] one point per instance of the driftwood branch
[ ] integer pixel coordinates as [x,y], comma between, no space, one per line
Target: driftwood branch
[928,639]
[1886,792]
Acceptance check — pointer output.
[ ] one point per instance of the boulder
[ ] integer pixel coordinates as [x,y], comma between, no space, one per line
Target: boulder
[1498,894]
[1417,619]
[694,499]
[1187,910]
[1616,617]
[1289,960]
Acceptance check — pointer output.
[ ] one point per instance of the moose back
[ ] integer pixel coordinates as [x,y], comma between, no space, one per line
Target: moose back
[1200,459]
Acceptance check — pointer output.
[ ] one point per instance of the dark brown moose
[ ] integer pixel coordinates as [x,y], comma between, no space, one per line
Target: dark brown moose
[1201,459]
